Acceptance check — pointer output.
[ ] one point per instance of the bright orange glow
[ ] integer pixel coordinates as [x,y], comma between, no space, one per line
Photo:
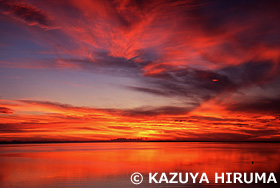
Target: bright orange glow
[53,121]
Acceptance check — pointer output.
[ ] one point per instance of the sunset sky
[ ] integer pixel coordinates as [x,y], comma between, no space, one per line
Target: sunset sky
[87,70]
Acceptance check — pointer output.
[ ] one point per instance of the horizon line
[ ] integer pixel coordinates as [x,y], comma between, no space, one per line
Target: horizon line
[129,140]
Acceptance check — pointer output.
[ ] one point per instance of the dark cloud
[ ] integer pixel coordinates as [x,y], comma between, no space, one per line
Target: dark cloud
[241,19]
[104,63]
[140,111]
[263,132]
[201,85]
[149,90]
[262,105]
[18,128]
[4,110]
[20,131]
[250,73]
[57,105]
[192,85]
[214,119]
[153,111]
[26,13]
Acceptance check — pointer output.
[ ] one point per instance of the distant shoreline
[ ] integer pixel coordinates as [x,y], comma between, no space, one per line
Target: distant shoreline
[130,140]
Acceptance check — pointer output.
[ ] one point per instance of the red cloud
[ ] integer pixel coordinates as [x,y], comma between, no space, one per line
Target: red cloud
[4,110]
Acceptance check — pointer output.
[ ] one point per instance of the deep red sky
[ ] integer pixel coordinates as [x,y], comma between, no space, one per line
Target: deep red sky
[160,70]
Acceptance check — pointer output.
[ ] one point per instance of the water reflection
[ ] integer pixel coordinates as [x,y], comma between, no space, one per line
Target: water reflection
[111,164]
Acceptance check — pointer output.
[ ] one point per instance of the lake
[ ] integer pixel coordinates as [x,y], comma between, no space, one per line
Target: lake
[110,165]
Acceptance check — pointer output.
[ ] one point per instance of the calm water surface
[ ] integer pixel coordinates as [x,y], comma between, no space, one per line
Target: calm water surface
[104,165]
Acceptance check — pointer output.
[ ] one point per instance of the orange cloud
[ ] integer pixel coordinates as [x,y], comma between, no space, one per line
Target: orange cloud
[48,121]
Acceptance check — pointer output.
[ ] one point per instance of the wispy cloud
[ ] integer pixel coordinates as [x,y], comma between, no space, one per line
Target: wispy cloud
[26,13]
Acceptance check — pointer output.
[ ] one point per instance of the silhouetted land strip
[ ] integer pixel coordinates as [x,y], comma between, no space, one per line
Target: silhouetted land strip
[126,140]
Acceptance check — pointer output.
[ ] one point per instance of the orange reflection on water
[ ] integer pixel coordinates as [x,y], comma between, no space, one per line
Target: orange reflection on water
[97,164]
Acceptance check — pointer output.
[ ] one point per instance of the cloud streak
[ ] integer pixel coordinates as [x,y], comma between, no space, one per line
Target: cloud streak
[26,13]
[164,123]
[4,110]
